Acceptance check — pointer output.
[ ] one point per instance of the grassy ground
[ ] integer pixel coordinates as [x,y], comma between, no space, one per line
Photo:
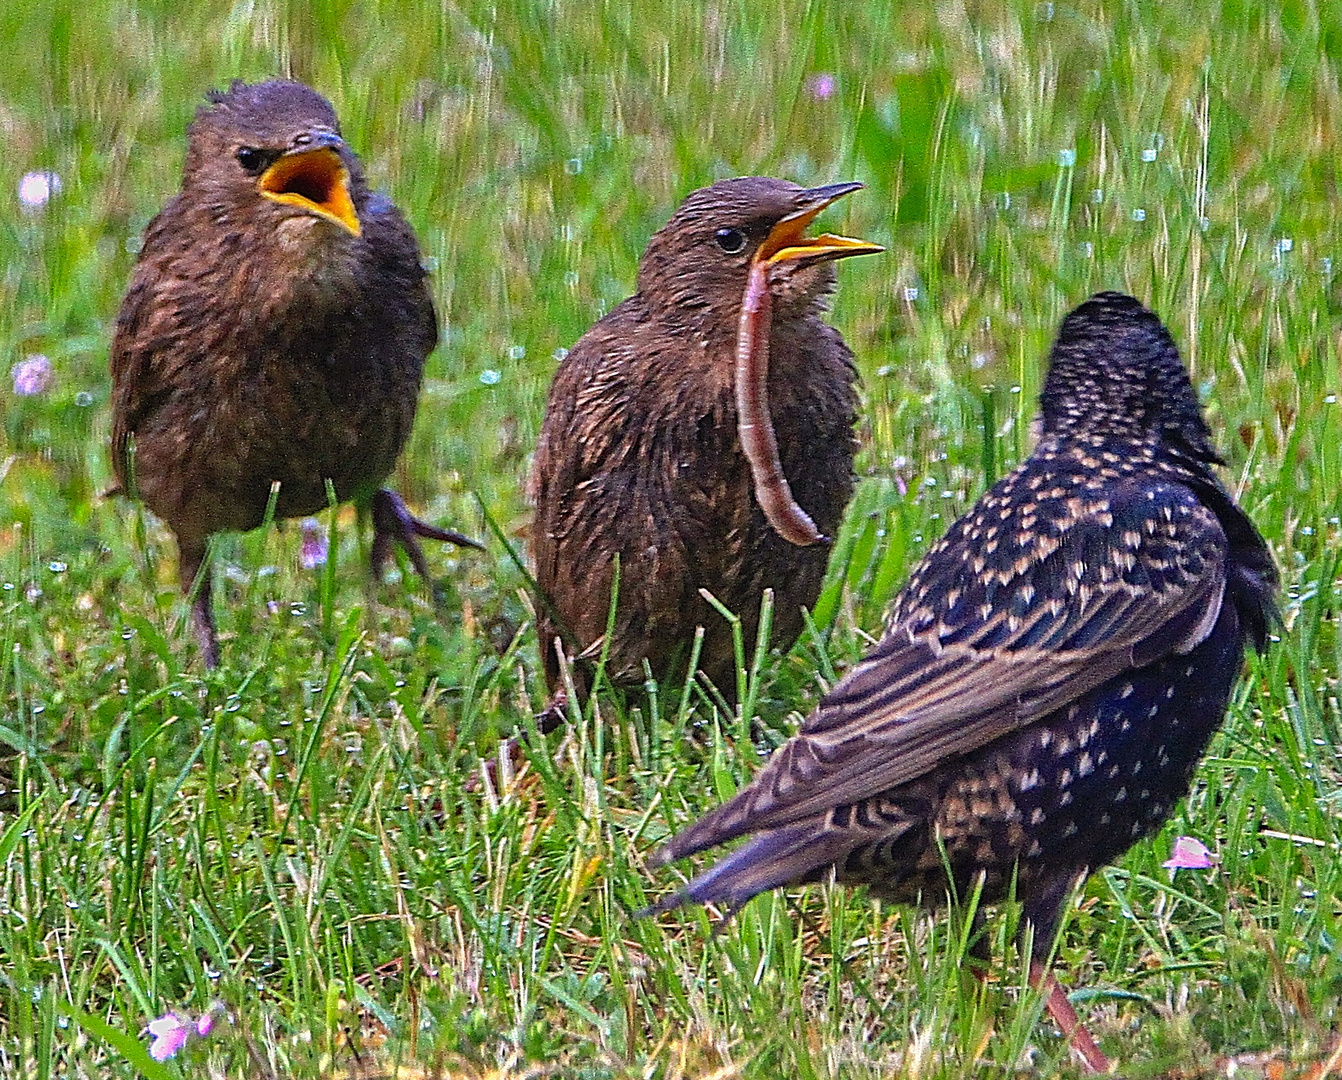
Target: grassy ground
[293,836]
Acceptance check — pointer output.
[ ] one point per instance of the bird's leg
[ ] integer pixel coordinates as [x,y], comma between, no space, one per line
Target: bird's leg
[1042,912]
[549,719]
[393,523]
[552,717]
[194,571]
[1065,1017]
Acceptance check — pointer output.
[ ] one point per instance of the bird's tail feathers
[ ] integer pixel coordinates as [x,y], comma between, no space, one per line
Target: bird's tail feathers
[718,826]
[785,856]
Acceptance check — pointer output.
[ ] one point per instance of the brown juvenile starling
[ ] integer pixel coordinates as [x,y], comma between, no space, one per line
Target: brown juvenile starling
[1051,673]
[701,433]
[274,332]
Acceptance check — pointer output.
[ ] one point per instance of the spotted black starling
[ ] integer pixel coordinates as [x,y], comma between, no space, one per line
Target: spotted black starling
[1051,673]
[701,433]
[275,331]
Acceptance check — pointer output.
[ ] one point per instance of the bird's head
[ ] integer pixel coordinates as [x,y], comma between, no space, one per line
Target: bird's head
[1115,371]
[271,153]
[735,258]
[703,256]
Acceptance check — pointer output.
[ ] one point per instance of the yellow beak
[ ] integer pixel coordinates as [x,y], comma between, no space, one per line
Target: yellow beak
[786,242]
[315,180]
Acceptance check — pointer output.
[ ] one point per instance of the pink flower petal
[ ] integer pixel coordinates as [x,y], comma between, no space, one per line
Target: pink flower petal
[170,1035]
[1190,854]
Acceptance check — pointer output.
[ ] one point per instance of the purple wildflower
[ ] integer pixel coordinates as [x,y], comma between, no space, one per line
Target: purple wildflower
[1190,854]
[171,1033]
[32,375]
[822,85]
[315,544]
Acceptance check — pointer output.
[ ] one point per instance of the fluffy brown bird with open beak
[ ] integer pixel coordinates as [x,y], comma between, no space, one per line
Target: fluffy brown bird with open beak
[701,434]
[274,333]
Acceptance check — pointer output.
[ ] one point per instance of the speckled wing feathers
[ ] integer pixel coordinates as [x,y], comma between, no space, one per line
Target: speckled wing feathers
[1095,591]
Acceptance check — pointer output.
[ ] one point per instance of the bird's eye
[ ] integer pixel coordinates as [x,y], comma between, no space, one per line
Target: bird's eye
[732,241]
[251,159]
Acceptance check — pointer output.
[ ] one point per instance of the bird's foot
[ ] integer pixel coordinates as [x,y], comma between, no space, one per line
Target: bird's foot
[393,524]
[1081,1040]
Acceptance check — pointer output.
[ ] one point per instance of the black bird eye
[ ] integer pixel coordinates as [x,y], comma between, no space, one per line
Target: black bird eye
[732,241]
[251,159]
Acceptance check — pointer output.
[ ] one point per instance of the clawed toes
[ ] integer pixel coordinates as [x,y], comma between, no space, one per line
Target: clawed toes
[393,524]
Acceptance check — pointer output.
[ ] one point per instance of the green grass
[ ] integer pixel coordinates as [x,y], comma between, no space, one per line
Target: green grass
[293,835]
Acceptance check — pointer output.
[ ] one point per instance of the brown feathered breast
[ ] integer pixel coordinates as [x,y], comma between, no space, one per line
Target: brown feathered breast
[640,459]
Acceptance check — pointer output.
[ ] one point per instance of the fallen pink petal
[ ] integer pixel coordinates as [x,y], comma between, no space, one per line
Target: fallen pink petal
[1190,853]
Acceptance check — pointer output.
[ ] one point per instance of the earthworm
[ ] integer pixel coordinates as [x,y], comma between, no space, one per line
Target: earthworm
[754,423]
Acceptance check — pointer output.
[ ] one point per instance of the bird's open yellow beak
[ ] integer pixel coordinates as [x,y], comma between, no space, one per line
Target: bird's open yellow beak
[786,242]
[316,180]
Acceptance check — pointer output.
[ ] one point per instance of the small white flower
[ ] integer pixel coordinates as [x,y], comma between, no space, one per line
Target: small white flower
[36,189]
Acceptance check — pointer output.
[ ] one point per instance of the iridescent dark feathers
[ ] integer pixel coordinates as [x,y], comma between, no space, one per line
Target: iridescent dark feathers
[1097,597]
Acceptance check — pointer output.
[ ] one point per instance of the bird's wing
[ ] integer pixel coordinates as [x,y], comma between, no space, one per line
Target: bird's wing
[579,434]
[160,333]
[125,363]
[397,276]
[589,505]
[986,639]
[150,335]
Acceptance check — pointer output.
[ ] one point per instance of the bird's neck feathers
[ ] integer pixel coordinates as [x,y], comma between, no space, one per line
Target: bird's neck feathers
[1136,430]
[709,329]
[1115,375]
[701,365]
[1126,400]
[276,261]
